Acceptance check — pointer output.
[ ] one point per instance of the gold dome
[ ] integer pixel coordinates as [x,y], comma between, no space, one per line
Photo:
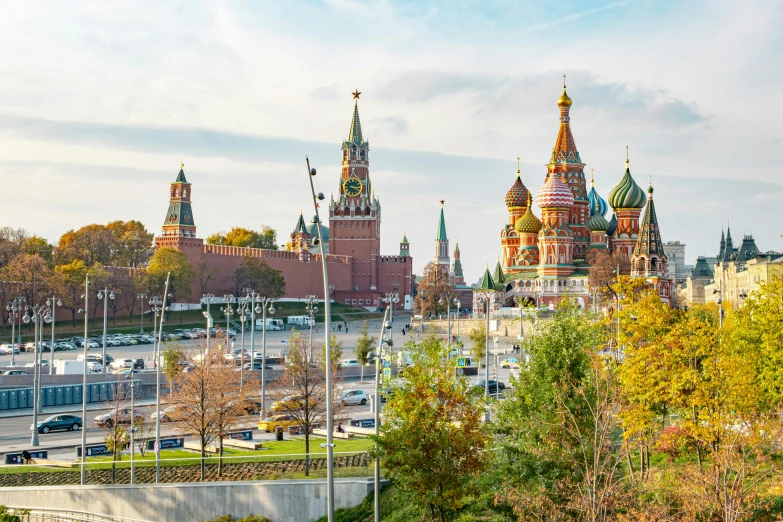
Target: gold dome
[564,100]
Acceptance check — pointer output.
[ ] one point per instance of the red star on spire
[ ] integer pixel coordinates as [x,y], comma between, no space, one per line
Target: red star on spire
[356,94]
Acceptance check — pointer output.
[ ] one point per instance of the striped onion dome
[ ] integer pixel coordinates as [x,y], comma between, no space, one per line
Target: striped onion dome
[517,194]
[597,203]
[597,223]
[612,228]
[627,194]
[554,193]
[528,223]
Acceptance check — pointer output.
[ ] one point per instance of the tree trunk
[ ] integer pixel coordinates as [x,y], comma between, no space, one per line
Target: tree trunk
[361,379]
[307,451]
[220,456]
[113,471]
[630,466]
[203,462]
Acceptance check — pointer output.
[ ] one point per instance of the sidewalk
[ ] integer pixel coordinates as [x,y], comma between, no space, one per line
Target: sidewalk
[69,408]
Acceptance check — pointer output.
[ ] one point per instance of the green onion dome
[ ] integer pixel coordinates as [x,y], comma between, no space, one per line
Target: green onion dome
[612,228]
[627,194]
[597,223]
[528,223]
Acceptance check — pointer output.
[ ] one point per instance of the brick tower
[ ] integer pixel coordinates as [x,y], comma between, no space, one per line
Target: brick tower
[442,241]
[355,217]
[555,241]
[179,229]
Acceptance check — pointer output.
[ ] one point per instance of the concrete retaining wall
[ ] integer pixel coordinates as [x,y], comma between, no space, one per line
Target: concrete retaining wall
[278,500]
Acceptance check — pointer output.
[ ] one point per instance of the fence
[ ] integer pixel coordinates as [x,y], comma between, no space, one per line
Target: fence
[61,515]
[22,398]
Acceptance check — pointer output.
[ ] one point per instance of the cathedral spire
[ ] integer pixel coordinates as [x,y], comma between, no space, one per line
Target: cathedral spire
[355,133]
[565,147]
[649,245]
[442,224]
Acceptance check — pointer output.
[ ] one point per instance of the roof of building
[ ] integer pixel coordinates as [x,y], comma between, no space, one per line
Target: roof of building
[565,146]
[748,249]
[627,194]
[300,226]
[355,133]
[649,241]
[498,276]
[554,193]
[486,281]
[313,231]
[181,175]
[518,194]
[702,269]
[528,223]
[597,223]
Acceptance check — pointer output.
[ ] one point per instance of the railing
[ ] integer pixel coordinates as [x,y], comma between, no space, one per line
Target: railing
[57,515]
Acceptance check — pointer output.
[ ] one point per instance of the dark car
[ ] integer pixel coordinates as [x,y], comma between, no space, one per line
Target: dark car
[78,341]
[59,422]
[138,364]
[478,388]
[256,366]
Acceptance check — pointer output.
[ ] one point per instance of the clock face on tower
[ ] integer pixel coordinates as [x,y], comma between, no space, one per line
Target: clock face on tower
[352,187]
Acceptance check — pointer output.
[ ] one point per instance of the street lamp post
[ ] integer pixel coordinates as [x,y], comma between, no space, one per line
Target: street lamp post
[264,304]
[484,298]
[385,325]
[391,299]
[329,386]
[311,309]
[133,429]
[39,314]
[719,291]
[14,313]
[142,297]
[86,297]
[228,309]
[104,294]
[53,303]
[208,299]
[243,304]
[421,298]
[158,306]
[520,299]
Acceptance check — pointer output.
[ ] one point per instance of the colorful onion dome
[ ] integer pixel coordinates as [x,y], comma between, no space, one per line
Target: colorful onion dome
[554,193]
[597,223]
[627,194]
[612,225]
[528,223]
[597,203]
[518,193]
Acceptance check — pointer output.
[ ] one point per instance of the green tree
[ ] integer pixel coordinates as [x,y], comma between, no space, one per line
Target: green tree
[173,356]
[176,262]
[558,426]
[478,341]
[68,282]
[244,237]
[254,272]
[364,347]
[36,245]
[433,442]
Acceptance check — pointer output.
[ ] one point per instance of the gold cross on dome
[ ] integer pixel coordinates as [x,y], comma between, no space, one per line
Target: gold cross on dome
[356,94]
[182,166]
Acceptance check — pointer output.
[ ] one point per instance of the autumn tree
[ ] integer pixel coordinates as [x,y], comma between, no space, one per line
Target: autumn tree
[557,426]
[434,284]
[603,272]
[205,273]
[91,243]
[132,243]
[38,246]
[433,442]
[32,276]
[256,273]
[207,400]
[302,391]
[117,436]
[170,260]
[12,241]
[478,342]
[69,284]
[365,344]
[243,237]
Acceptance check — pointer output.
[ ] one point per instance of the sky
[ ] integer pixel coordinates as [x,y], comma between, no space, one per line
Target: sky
[99,105]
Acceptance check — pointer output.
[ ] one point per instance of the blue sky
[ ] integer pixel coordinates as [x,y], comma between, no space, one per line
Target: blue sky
[98,107]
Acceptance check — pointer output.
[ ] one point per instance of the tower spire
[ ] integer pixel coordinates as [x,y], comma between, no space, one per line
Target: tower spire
[355,133]
[442,240]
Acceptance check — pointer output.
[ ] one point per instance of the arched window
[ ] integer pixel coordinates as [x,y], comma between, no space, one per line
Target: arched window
[653,264]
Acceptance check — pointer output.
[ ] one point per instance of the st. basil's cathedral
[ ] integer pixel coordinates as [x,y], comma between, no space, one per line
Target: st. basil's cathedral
[547,259]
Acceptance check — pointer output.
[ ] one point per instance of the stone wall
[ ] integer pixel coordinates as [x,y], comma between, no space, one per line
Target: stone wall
[280,500]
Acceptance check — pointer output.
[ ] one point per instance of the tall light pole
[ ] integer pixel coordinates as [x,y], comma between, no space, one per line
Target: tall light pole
[263,304]
[133,428]
[104,294]
[329,387]
[39,314]
[421,300]
[485,296]
[243,303]
[86,297]
[208,299]
[14,313]
[228,309]
[385,325]
[311,309]
[53,303]
[391,299]
[142,297]
[520,299]
[719,291]
[158,307]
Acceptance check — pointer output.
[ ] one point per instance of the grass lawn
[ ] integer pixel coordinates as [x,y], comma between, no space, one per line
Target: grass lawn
[273,451]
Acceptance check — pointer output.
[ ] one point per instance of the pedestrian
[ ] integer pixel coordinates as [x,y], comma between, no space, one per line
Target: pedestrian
[316,329]
[26,457]
[403,332]
[340,428]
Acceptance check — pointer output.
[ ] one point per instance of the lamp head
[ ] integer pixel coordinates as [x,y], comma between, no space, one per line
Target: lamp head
[272,309]
[313,173]
[321,196]
[111,295]
[81,311]
[26,318]
[258,309]
[59,302]
[387,325]
[48,318]
[100,295]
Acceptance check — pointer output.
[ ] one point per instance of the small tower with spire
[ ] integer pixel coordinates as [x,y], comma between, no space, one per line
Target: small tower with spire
[442,241]
[517,199]
[179,229]
[649,259]
[300,239]
[458,278]
[627,200]
[405,247]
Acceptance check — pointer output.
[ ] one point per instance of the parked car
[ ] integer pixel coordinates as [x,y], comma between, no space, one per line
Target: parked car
[349,363]
[94,367]
[256,365]
[478,388]
[78,341]
[165,416]
[237,356]
[511,362]
[6,349]
[290,402]
[270,423]
[92,343]
[29,347]
[353,397]
[145,339]
[200,332]
[121,416]
[59,422]
[191,335]
[121,364]
[15,372]
[44,364]
[138,364]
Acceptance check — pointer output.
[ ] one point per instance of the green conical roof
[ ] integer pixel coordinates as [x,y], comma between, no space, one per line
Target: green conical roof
[442,225]
[498,277]
[405,238]
[181,175]
[486,282]
[355,133]
[300,227]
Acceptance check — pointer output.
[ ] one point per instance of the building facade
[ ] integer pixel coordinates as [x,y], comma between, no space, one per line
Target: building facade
[547,259]
[359,275]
